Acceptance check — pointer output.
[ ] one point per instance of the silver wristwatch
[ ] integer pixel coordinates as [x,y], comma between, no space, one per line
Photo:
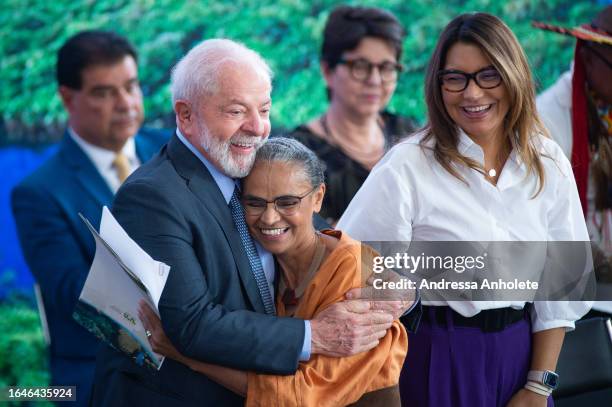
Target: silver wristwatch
[545,377]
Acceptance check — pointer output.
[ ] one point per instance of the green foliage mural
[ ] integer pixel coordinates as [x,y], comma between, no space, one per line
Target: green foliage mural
[286,32]
[22,349]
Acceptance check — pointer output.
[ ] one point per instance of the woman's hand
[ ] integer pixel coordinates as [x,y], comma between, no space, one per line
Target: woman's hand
[158,339]
[235,380]
[527,398]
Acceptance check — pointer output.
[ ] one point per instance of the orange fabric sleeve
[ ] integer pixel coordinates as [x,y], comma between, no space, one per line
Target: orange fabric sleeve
[329,381]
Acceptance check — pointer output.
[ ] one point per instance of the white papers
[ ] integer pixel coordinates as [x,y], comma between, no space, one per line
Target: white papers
[120,276]
[153,274]
[43,314]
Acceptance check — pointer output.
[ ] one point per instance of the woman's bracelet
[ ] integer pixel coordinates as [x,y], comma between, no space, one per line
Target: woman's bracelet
[538,388]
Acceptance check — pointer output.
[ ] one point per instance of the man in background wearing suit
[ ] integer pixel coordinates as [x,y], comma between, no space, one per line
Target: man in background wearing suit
[182,208]
[98,83]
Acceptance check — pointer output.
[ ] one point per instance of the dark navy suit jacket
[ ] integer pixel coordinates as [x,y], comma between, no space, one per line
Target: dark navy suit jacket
[59,249]
[210,307]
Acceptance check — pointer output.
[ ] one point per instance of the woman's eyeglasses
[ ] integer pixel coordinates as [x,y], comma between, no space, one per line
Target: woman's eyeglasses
[285,205]
[361,69]
[453,80]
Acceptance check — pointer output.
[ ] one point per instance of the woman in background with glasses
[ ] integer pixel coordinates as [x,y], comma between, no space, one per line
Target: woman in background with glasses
[482,169]
[280,195]
[360,57]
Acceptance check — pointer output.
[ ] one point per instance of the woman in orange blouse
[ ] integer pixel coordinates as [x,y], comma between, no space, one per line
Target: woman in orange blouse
[280,195]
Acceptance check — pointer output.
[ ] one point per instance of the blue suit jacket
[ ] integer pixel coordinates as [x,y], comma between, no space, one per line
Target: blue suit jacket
[57,246]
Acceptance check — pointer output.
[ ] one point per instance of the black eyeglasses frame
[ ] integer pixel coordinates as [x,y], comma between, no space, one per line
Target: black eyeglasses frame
[286,211]
[350,63]
[468,76]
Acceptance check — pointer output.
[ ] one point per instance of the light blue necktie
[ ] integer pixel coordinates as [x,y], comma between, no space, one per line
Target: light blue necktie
[251,251]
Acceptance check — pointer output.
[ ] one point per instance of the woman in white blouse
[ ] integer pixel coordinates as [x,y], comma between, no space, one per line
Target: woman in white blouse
[480,170]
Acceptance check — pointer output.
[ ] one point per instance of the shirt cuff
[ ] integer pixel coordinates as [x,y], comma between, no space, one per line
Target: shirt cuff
[539,325]
[417,299]
[306,347]
[412,318]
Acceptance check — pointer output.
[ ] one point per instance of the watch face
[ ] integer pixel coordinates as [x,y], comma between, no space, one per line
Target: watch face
[551,379]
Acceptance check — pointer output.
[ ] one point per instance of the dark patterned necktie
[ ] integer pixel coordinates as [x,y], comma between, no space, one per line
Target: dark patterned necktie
[251,251]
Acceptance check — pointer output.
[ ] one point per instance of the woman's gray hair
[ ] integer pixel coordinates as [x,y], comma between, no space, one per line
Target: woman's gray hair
[196,74]
[288,150]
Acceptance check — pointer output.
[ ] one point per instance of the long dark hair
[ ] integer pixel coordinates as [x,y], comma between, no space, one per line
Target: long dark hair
[521,123]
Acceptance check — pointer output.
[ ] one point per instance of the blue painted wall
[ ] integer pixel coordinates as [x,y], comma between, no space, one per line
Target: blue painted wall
[15,164]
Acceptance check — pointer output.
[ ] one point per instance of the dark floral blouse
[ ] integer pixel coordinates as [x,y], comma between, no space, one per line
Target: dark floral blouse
[343,175]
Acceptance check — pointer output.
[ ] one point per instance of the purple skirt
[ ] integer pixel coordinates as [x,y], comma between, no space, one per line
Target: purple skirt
[455,366]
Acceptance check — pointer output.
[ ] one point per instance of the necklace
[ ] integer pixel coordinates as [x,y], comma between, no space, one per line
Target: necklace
[367,158]
[499,161]
[491,175]
[291,296]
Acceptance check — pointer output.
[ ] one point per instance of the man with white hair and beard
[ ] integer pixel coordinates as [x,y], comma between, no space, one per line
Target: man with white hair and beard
[183,209]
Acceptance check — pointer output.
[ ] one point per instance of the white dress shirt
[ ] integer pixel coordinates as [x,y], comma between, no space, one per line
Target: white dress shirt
[103,159]
[409,196]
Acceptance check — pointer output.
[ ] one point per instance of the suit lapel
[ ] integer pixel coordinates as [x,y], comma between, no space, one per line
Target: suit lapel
[85,172]
[205,189]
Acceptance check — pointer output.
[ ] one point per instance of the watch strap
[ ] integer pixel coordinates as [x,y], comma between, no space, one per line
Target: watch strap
[540,376]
